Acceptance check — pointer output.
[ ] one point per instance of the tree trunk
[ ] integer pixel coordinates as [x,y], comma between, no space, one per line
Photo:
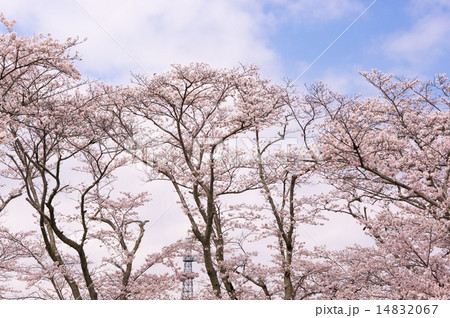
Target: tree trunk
[210,270]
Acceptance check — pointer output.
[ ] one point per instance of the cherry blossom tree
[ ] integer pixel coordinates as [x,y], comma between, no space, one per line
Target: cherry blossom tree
[284,171]
[54,153]
[187,115]
[64,139]
[388,159]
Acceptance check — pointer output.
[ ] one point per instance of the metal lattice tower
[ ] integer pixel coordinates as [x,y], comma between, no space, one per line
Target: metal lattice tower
[187,277]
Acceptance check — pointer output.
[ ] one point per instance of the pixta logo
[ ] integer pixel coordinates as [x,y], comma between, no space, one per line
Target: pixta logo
[337,310]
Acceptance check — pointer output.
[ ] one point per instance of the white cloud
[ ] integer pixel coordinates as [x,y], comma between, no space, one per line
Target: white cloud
[425,41]
[348,82]
[152,34]
[134,35]
[345,80]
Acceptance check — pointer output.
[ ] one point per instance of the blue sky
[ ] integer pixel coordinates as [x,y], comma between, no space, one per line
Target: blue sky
[404,37]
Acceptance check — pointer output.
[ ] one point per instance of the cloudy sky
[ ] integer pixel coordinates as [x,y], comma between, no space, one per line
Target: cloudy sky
[284,37]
